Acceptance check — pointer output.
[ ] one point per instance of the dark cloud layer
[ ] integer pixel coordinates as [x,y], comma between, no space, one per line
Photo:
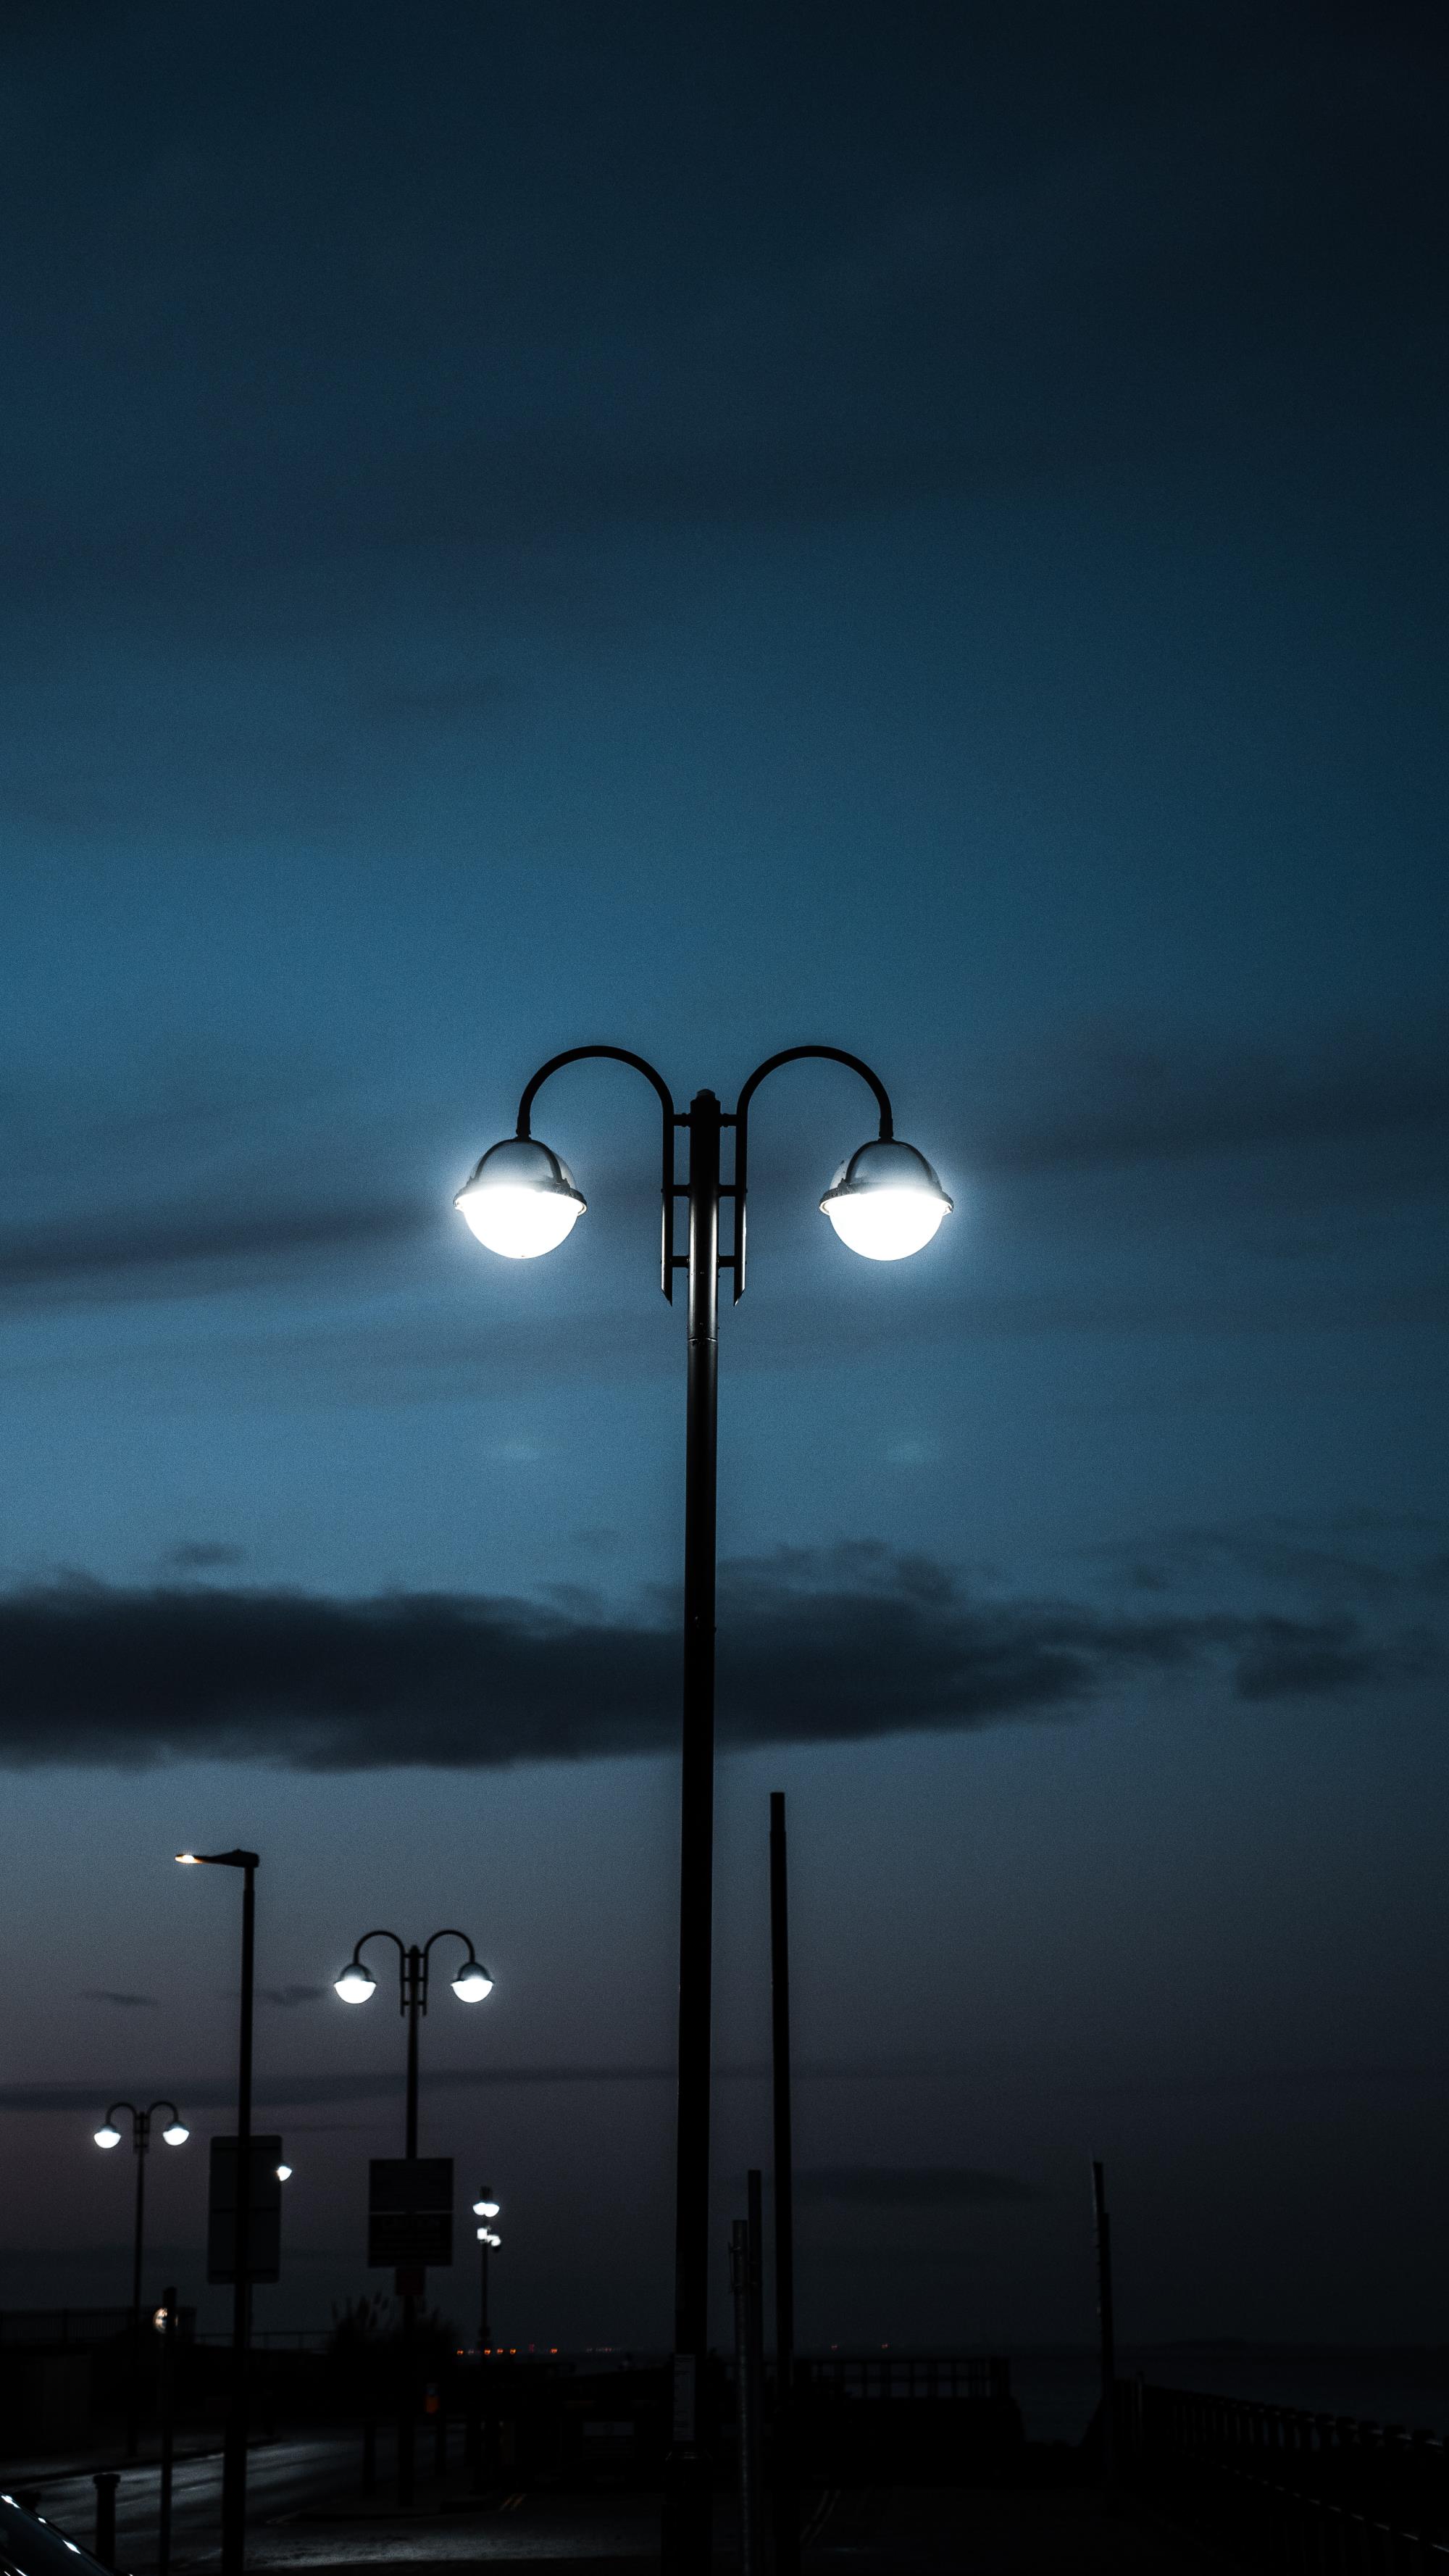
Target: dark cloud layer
[815,1647]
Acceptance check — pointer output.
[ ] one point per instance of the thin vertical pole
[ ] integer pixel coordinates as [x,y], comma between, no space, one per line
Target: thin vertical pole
[687,2489]
[168,2431]
[407,2400]
[234,2461]
[744,2455]
[786,2497]
[1106,2330]
[754,2185]
[140,2139]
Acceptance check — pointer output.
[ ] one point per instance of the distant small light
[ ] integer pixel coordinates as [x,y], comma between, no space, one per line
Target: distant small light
[284,2173]
[189,1860]
[159,2320]
[108,2137]
[485,2208]
[176,2135]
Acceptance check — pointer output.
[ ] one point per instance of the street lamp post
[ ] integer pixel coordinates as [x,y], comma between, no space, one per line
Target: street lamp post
[234,2453]
[357,1985]
[487,2210]
[521,1200]
[108,2135]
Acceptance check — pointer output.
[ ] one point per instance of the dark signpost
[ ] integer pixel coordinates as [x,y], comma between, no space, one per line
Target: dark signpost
[409,2212]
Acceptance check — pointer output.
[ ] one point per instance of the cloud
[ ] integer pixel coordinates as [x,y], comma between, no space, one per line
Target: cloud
[907,2187]
[278,2091]
[290,1996]
[816,1646]
[203,1556]
[130,1254]
[112,1995]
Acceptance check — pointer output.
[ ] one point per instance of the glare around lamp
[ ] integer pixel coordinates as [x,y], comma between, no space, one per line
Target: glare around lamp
[472,1982]
[521,1200]
[355,1985]
[886,1202]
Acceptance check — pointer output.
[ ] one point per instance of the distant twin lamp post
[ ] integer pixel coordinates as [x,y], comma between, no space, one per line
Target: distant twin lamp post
[886,1202]
[357,1985]
[108,2135]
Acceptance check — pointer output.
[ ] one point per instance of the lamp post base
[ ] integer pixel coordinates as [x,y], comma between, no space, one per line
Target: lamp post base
[686,2529]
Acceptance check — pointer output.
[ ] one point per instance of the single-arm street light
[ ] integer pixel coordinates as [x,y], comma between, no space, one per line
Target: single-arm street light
[886,1202]
[108,2135]
[357,1985]
[234,2453]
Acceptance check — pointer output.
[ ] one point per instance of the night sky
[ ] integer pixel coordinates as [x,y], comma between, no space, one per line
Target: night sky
[914,529]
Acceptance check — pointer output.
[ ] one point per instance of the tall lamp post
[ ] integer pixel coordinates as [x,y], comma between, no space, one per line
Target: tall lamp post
[487,2210]
[521,1199]
[357,1985]
[234,2453]
[108,2135]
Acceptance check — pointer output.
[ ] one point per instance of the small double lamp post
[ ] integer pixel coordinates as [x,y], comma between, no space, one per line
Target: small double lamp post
[486,2210]
[108,2136]
[357,1985]
[885,1202]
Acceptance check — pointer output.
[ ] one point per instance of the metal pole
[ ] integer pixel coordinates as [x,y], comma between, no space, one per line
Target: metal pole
[140,2140]
[483,2304]
[688,2473]
[168,2431]
[786,2497]
[105,2482]
[754,2323]
[412,2005]
[744,2462]
[234,2458]
[1107,2331]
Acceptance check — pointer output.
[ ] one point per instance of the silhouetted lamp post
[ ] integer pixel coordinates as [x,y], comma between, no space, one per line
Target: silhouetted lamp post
[108,2135]
[487,2210]
[234,2454]
[357,1985]
[886,1202]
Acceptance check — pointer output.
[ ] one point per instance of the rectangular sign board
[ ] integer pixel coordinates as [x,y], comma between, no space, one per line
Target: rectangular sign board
[409,2211]
[264,2232]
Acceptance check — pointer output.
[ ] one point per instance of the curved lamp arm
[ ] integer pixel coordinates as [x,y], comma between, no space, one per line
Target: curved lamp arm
[641,1064]
[790,1055]
[450,1933]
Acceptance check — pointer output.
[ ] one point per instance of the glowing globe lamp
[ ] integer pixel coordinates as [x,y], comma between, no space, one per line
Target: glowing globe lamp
[472,1982]
[886,1202]
[355,1985]
[521,1200]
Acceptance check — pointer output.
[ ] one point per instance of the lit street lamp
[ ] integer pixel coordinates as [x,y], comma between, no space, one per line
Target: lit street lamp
[521,1200]
[234,2453]
[357,1985]
[108,2135]
[487,2210]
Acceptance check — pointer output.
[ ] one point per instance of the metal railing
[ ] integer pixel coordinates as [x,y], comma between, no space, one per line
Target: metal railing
[1286,2486]
[877,2375]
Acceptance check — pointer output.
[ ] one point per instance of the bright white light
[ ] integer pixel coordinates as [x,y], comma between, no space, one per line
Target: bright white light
[176,2136]
[886,1225]
[485,2208]
[886,1202]
[159,2320]
[521,1200]
[355,1985]
[472,1982]
[108,2137]
[284,2173]
[188,1860]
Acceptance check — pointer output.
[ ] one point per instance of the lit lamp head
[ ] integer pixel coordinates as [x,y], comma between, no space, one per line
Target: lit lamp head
[108,2136]
[886,1202]
[176,2135]
[284,2173]
[521,1200]
[485,2209]
[472,1982]
[355,1983]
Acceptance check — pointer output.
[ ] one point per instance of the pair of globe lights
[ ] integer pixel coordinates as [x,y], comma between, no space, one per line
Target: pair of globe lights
[470,1985]
[885,1201]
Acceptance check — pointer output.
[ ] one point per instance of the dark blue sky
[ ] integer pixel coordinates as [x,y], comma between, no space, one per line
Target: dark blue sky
[920,530]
